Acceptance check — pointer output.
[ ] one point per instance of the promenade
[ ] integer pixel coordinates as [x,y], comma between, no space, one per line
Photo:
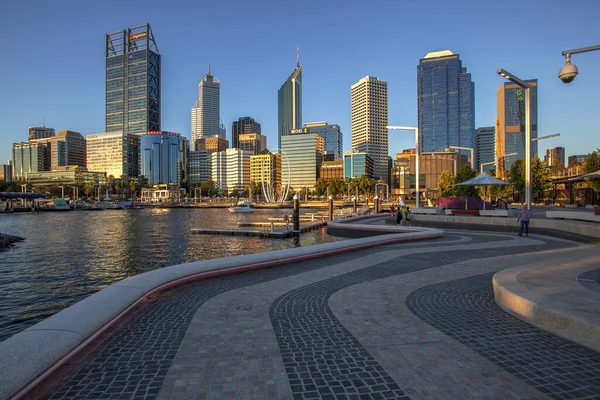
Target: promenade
[413,319]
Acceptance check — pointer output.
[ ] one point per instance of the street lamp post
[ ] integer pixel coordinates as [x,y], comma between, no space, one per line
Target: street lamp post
[467,148]
[411,128]
[495,161]
[62,192]
[527,87]
[450,159]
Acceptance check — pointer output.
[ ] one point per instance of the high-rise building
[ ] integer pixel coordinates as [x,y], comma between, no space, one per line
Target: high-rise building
[67,149]
[265,169]
[162,157]
[211,144]
[332,170]
[304,155]
[6,172]
[241,126]
[132,81]
[446,103]
[252,142]
[40,132]
[206,112]
[199,165]
[230,170]
[115,153]
[555,157]
[369,113]
[331,134]
[289,104]
[357,164]
[31,156]
[510,125]
[485,148]
[580,158]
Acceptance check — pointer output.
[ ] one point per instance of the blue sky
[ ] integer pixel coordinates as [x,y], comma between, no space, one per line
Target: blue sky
[52,60]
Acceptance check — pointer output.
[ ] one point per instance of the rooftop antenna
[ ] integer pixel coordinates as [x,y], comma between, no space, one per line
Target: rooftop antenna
[208,68]
[44,122]
[298,55]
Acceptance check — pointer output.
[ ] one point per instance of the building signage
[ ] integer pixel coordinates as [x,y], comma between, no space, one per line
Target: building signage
[301,130]
[164,133]
[137,36]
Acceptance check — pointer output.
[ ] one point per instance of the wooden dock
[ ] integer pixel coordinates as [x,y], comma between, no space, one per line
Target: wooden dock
[280,232]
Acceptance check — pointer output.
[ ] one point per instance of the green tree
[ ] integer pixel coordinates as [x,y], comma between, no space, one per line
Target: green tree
[540,176]
[206,187]
[320,187]
[446,184]
[463,174]
[592,164]
[364,184]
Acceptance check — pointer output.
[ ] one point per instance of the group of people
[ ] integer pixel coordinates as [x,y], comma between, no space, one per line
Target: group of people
[403,214]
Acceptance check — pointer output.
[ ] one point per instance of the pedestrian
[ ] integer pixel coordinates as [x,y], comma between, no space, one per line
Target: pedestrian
[403,215]
[524,217]
[392,209]
[398,216]
[408,216]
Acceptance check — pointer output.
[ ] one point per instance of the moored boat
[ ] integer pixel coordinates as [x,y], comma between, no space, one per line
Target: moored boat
[242,207]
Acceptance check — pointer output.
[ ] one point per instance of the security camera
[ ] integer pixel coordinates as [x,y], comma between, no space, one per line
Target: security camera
[568,72]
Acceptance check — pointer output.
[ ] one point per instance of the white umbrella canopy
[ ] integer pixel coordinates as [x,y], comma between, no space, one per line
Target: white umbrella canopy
[483,180]
[593,174]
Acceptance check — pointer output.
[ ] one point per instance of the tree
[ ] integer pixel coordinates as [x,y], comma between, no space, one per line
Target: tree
[320,187]
[446,184]
[206,187]
[365,184]
[592,164]
[540,176]
[463,174]
[573,164]
[557,165]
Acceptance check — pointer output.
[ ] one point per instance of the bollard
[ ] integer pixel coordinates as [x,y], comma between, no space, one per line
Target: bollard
[272,227]
[330,208]
[296,215]
[354,205]
[376,200]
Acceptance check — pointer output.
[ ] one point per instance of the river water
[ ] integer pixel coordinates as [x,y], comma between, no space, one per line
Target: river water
[66,256]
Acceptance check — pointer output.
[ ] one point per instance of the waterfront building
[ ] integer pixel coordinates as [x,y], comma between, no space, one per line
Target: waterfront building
[67,175]
[445,102]
[332,170]
[230,170]
[6,172]
[357,164]
[266,167]
[161,193]
[199,165]
[289,104]
[211,144]
[115,153]
[254,143]
[331,134]
[369,114]
[304,153]
[162,158]
[241,126]
[431,166]
[206,112]
[580,158]
[133,80]
[485,148]
[67,149]
[31,156]
[555,157]
[42,132]
[510,124]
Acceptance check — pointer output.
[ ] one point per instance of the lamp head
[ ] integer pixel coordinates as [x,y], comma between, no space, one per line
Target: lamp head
[568,72]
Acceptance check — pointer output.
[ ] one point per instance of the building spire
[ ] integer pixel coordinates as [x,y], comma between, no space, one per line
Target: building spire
[208,69]
[298,56]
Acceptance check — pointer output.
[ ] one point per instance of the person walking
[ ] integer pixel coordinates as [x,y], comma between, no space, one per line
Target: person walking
[524,217]
[403,215]
[408,216]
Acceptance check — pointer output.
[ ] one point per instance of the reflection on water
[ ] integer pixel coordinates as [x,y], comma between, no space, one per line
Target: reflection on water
[68,256]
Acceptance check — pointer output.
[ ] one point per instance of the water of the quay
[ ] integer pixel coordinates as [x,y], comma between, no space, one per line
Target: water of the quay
[67,256]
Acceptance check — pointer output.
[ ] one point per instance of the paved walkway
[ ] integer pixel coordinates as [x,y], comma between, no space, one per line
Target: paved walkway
[414,320]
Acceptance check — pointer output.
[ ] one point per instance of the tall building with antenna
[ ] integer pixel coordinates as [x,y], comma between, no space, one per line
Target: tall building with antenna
[289,102]
[206,112]
[132,81]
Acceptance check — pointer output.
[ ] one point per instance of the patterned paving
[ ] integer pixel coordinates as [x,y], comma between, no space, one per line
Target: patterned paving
[465,310]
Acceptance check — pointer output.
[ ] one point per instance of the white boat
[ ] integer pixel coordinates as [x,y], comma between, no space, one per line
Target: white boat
[54,205]
[242,207]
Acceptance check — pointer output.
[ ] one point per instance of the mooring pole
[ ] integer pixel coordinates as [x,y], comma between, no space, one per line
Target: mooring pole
[296,215]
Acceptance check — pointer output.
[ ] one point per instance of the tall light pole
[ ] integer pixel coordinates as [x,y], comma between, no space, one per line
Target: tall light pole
[98,191]
[467,148]
[450,159]
[527,87]
[62,192]
[412,128]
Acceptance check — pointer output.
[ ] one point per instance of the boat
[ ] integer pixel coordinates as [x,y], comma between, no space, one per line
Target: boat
[242,207]
[54,205]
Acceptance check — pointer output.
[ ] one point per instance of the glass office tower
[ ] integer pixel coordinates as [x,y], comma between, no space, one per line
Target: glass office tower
[485,148]
[331,134]
[446,103]
[132,81]
[206,111]
[162,157]
[241,126]
[289,104]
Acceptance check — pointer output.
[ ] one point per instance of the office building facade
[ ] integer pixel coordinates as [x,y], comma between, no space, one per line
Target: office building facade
[6,172]
[31,156]
[445,103]
[266,168]
[289,104]
[555,157]
[230,170]
[133,71]
[241,126]
[254,143]
[332,170]
[304,153]
[510,124]
[211,144]
[115,153]
[206,112]
[67,149]
[199,167]
[357,164]
[485,148]
[40,132]
[369,115]
[163,158]
[331,134]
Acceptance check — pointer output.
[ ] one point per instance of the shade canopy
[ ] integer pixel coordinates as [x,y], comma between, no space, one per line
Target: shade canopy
[483,180]
[593,174]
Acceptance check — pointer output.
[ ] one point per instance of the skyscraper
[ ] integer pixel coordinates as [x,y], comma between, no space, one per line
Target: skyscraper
[162,157]
[334,140]
[369,114]
[132,81]
[42,132]
[115,153]
[289,103]
[510,125]
[555,157]
[68,148]
[446,103]
[206,112]
[241,126]
[485,148]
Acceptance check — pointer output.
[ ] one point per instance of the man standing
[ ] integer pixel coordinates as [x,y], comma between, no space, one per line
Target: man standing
[524,217]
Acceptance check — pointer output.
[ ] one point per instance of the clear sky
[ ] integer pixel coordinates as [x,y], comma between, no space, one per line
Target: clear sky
[52,62]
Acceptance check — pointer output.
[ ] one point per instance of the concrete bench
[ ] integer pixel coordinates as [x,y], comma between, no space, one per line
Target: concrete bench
[575,215]
[427,210]
[496,213]
[464,212]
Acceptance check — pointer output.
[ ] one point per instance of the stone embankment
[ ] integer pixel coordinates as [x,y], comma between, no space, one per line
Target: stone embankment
[7,240]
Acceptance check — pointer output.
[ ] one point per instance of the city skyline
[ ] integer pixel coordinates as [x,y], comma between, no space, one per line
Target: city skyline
[51,90]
